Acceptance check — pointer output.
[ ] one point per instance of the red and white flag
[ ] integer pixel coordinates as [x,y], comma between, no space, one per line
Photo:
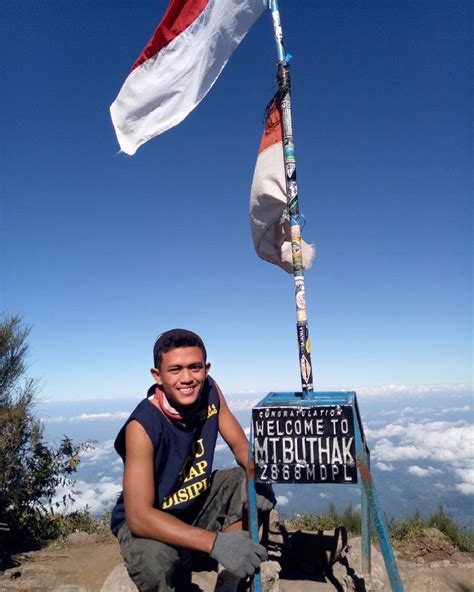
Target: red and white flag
[178,67]
[268,203]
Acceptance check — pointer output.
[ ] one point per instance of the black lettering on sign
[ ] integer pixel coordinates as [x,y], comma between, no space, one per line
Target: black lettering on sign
[304,444]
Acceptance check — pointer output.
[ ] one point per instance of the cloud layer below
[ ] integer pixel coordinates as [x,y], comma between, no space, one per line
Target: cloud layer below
[450,444]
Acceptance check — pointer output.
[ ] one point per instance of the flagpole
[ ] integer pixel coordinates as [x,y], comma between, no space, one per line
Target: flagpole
[284,103]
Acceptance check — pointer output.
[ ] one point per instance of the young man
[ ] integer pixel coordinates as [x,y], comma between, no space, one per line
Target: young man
[172,502]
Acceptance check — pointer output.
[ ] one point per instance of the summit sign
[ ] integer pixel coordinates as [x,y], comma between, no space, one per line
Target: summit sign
[304,444]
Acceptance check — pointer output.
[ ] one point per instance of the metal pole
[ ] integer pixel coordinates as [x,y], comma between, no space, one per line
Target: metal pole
[252,509]
[375,509]
[306,370]
[366,559]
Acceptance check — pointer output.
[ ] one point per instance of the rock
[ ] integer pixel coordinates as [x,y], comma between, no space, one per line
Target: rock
[354,556]
[270,572]
[375,585]
[29,586]
[78,539]
[71,588]
[347,571]
[26,570]
[13,573]
[204,580]
[274,522]
[119,581]
[445,563]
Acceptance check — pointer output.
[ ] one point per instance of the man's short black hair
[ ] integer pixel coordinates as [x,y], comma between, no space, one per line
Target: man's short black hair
[176,338]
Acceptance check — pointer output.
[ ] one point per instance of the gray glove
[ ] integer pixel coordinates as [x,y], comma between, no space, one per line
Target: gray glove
[238,553]
[264,495]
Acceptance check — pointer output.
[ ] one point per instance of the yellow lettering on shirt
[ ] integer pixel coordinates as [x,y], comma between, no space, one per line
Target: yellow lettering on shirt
[207,413]
[196,471]
[184,494]
[198,448]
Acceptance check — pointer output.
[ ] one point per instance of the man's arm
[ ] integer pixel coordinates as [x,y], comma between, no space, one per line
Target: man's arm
[234,435]
[139,491]
[232,432]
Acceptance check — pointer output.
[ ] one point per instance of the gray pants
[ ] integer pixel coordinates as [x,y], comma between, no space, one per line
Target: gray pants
[153,565]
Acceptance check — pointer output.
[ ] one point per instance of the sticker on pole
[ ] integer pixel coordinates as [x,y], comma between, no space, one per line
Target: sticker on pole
[304,444]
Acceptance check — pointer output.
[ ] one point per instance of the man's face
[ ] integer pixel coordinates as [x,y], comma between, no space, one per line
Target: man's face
[182,375]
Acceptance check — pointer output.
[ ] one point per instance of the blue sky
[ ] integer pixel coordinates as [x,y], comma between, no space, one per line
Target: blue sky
[100,252]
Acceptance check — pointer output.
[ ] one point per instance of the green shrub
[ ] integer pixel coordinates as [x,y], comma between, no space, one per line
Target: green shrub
[349,519]
[30,470]
[462,538]
[404,530]
[61,525]
[401,530]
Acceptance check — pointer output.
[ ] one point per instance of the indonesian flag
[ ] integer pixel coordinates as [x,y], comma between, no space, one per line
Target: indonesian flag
[178,67]
[268,202]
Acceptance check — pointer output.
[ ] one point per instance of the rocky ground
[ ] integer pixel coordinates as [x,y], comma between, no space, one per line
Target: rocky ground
[298,562]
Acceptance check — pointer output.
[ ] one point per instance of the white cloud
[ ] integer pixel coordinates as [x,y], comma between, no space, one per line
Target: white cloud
[106,479]
[59,419]
[98,453]
[467,476]
[249,391]
[96,416]
[388,412]
[97,497]
[465,488]
[405,414]
[388,431]
[88,417]
[422,472]
[441,441]
[437,440]
[387,450]
[384,467]
[464,409]
[237,405]
[417,390]
[282,500]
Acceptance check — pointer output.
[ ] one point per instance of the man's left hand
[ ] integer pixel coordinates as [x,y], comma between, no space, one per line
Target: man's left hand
[265,497]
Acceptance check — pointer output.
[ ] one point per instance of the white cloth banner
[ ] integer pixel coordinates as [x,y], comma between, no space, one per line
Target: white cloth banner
[177,69]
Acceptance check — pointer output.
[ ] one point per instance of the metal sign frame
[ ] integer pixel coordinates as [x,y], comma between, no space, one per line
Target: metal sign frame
[371,511]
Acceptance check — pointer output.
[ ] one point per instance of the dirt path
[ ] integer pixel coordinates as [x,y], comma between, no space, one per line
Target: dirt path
[83,564]
[86,561]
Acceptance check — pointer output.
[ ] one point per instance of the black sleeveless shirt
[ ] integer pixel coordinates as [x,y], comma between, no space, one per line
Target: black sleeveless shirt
[183,453]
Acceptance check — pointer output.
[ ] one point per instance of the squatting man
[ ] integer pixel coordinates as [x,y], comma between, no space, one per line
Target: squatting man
[172,502]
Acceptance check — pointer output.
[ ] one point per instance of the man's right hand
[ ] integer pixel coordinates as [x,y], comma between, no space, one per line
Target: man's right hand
[238,553]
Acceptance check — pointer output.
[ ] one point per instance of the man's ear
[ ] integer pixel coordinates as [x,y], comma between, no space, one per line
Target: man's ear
[156,376]
[208,367]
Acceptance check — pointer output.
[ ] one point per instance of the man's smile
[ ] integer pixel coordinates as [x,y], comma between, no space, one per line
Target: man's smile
[186,390]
